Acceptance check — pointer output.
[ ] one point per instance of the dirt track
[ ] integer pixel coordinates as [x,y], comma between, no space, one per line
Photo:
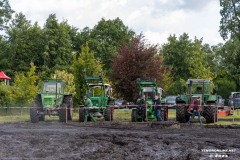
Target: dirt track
[55,140]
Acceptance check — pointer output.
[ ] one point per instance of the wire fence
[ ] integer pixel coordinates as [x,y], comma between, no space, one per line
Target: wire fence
[22,114]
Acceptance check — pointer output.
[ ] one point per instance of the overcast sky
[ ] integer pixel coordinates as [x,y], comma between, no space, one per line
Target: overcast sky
[156,19]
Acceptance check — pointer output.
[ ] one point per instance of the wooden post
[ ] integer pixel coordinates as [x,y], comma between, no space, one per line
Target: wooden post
[66,115]
[146,112]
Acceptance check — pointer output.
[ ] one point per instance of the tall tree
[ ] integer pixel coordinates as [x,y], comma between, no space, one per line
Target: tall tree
[225,86]
[80,39]
[57,53]
[186,58]
[5,13]
[230,21]
[136,60]
[85,61]
[105,38]
[24,90]
[69,79]
[4,52]
[230,57]
[230,30]
[108,35]
[25,44]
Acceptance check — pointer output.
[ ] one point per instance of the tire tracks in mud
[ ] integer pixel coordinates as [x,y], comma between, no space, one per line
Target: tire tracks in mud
[113,141]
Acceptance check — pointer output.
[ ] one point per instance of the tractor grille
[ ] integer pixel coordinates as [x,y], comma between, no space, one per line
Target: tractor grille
[48,102]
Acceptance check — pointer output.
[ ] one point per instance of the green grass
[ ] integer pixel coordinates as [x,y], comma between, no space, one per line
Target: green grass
[236,114]
[125,115]
[227,123]
[171,114]
[14,115]
[22,115]
[120,115]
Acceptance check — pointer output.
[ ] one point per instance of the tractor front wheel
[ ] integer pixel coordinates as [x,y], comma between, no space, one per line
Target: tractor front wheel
[81,115]
[39,107]
[109,114]
[34,115]
[134,115]
[62,113]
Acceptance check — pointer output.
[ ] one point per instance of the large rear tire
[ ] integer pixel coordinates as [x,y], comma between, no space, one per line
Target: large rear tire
[34,115]
[210,114]
[34,111]
[81,115]
[134,115]
[109,114]
[180,114]
[62,113]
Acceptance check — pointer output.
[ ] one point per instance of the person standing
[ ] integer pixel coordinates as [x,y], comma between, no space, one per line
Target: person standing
[87,102]
[196,103]
[142,107]
[157,108]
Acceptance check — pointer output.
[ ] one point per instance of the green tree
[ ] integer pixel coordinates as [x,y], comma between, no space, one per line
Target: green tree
[4,52]
[186,58]
[5,16]
[225,87]
[211,57]
[57,53]
[108,35]
[5,93]
[24,89]
[167,79]
[69,79]
[230,21]
[230,30]
[105,38]
[5,13]
[25,44]
[85,61]
[79,39]
[138,59]
[177,87]
[230,57]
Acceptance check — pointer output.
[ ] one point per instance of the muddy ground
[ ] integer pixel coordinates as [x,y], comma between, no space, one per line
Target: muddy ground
[55,140]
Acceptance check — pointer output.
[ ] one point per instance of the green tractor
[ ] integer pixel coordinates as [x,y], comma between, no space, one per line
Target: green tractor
[100,94]
[150,90]
[208,106]
[52,101]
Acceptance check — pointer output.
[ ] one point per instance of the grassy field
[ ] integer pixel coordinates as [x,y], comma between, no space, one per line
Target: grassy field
[125,116]
[120,115]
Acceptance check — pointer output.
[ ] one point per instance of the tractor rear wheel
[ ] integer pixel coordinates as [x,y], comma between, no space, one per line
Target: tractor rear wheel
[62,113]
[210,114]
[109,114]
[81,115]
[39,107]
[34,111]
[180,114]
[134,115]
[34,115]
